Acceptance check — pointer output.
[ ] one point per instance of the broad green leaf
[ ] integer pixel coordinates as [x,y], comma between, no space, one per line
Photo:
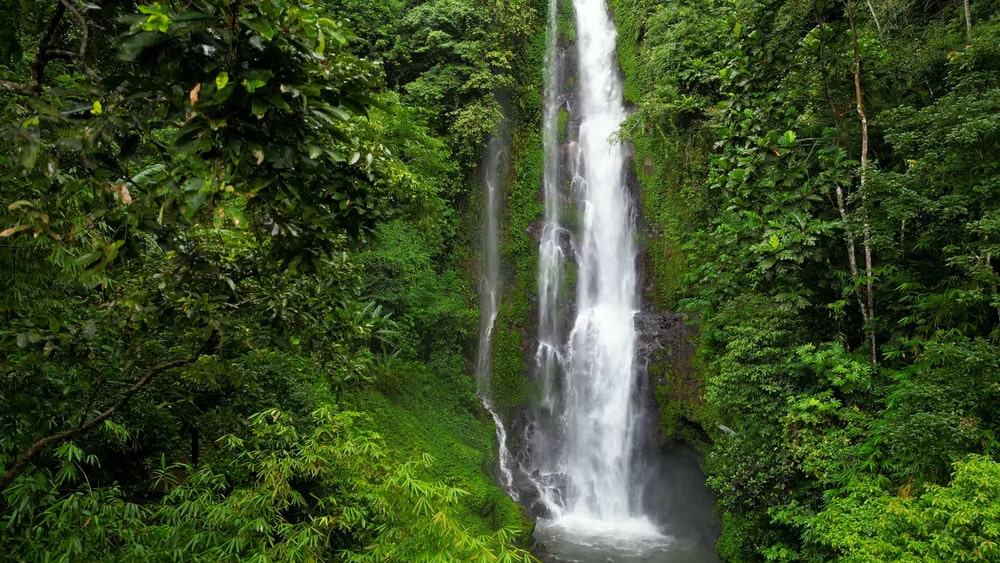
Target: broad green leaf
[29,153]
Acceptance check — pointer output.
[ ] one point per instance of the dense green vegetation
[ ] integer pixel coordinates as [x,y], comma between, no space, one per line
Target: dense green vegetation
[236,302]
[236,309]
[517,318]
[820,180]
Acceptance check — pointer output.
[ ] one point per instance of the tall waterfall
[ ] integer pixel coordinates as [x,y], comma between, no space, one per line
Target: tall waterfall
[583,466]
[600,371]
[599,495]
[489,303]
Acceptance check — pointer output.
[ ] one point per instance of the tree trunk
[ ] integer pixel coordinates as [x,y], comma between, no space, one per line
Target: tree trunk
[852,259]
[968,20]
[863,173]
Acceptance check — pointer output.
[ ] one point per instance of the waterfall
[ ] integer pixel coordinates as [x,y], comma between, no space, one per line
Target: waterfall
[598,495]
[489,305]
[551,254]
[581,451]
[601,371]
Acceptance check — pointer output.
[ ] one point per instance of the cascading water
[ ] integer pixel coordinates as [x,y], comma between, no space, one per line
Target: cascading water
[601,353]
[489,302]
[580,447]
[551,252]
[543,437]
[588,374]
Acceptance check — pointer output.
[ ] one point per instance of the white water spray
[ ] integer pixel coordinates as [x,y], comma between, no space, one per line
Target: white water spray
[600,370]
[551,254]
[588,487]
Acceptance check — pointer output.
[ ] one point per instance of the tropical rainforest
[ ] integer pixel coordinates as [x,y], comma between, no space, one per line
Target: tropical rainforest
[235,313]
[238,254]
[819,180]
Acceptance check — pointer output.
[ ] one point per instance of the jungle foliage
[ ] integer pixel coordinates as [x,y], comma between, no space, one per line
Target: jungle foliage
[820,179]
[235,309]
[235,314]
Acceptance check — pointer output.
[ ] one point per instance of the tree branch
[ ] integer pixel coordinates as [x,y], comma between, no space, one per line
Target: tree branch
[84,37]
[43,54]
[37,66]
[36,448]
[18,87]
[871,9]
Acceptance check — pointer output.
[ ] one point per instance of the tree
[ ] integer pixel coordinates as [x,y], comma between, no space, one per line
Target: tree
[170,187]
[193,182]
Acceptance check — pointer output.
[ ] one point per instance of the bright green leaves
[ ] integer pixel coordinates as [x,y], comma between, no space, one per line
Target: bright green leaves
[157,18]
[255,79]
[957,522]
[787,140]
[250,128]
[321,488]
[328,28]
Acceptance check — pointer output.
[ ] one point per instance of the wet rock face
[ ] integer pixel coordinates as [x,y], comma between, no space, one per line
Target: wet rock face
[529,486]
[564,236]
[663,336]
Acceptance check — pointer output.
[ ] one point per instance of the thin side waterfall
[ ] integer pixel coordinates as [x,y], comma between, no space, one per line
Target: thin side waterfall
[489,303]
[551,253]
[544,436]
[584,466]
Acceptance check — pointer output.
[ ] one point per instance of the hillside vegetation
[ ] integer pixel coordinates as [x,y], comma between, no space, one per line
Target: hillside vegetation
[237,312]
[821,184]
